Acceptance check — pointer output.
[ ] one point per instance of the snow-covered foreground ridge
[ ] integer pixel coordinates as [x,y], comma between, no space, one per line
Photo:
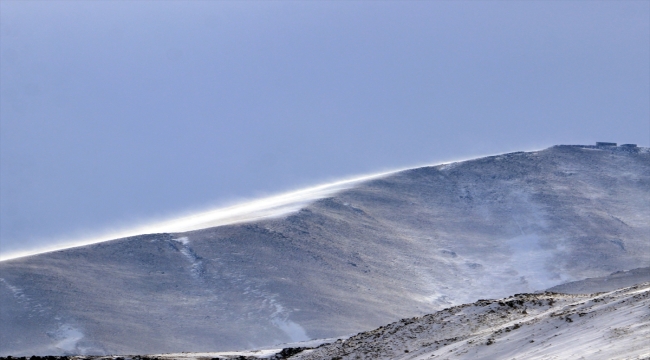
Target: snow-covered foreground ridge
[613,325]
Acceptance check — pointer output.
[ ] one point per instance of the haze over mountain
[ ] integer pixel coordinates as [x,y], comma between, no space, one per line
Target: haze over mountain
[400,245]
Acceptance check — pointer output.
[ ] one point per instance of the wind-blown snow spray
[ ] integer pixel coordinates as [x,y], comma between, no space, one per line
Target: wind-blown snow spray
[269,207]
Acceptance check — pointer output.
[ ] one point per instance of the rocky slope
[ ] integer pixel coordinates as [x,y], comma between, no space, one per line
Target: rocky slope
[613,325]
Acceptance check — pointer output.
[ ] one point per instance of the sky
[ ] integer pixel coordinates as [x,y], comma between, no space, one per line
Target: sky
[114,114]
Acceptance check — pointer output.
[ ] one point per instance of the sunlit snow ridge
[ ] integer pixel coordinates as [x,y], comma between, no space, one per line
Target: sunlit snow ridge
[269,207]
[273,206]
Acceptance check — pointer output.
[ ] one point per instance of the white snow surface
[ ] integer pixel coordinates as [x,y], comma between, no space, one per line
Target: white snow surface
[612,325]
[261,353]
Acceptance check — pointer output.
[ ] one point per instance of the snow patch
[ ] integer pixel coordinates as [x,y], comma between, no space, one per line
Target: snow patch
[197,267]
[67,337]
[183,240]
[280,318]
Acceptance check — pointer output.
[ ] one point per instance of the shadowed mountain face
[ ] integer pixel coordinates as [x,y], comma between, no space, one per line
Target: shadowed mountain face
[407,244]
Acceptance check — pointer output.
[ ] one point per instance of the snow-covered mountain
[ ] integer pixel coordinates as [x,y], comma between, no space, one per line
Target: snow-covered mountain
[400,245]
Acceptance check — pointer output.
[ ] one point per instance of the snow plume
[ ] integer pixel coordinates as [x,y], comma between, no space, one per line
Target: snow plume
[269,207]
[273,206]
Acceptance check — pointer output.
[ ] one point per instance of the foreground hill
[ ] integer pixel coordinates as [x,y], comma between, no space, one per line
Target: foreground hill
[613,325]
[409,243]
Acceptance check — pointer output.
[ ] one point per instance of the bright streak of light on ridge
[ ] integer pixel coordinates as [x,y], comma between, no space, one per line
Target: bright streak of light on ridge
[269,207]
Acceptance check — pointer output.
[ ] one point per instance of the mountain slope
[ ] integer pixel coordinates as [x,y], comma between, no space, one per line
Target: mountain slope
[613,325]
[409,243]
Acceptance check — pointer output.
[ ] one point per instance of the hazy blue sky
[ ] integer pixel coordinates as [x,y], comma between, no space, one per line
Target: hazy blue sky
[117,112]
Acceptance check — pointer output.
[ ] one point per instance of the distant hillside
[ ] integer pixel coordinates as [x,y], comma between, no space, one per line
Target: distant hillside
[610,282]
[406,244]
